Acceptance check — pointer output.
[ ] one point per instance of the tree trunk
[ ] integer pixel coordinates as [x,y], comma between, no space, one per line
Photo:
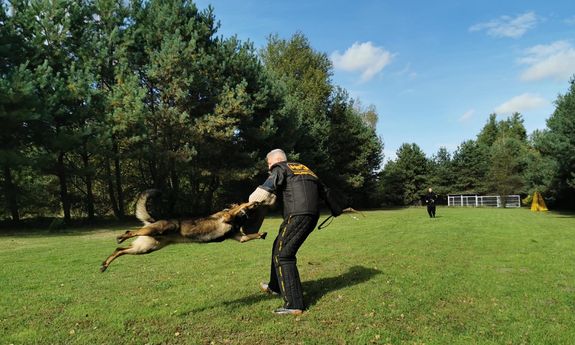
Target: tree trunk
[11,195]
[89,191]
[174,177]
[111,193]
[64,197]
[211,189]
[118,175]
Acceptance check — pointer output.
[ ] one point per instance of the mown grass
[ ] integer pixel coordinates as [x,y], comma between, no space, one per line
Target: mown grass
[470,276]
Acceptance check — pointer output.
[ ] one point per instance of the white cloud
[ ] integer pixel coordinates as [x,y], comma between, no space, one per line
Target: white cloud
[362,57]
[521,104]
[555,60]
[506,26]
[468,115]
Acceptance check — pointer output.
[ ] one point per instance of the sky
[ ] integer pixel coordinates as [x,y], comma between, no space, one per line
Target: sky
[434,70]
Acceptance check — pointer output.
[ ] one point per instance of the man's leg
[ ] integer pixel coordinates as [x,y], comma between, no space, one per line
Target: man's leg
[429,211]
[292,235]
[273,283]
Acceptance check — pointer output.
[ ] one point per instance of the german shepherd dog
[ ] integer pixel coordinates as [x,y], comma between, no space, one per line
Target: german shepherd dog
[156,234]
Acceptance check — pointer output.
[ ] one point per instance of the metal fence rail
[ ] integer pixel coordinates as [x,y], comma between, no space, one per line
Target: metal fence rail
[483,200]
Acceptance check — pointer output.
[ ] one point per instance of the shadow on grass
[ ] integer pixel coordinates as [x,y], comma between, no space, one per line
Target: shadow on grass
[313,290]
[564,214]
[316,289]
[46,227]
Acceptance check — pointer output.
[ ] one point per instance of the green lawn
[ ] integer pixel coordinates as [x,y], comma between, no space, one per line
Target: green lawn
[470,276]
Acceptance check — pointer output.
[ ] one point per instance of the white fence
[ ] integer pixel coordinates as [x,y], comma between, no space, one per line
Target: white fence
[483,200]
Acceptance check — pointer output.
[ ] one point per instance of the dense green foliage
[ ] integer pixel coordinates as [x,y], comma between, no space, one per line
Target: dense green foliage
[469,276]
[557,143]
[502,160]
[101,99]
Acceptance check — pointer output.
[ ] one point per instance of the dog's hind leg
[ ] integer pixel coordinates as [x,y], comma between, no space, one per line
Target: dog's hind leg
[117,253]
[142,245]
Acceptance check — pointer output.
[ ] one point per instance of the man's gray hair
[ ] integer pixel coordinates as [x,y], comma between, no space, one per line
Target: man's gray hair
[277,153]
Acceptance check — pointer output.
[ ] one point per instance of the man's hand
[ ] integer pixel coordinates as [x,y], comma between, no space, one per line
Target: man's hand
[263,197]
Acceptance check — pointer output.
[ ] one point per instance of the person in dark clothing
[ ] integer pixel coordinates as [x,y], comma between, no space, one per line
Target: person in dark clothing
[430,199]
[300,190]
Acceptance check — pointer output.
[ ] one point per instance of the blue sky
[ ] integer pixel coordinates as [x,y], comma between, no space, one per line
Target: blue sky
[434,70]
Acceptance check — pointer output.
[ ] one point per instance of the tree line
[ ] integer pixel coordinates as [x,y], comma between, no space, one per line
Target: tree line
[101,99]
[501,160]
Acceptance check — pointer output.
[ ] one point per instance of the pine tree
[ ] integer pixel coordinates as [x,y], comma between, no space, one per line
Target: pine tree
[558,142]
[305,75]
[405,179]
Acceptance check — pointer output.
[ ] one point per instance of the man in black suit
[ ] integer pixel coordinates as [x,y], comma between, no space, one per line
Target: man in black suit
[430,199]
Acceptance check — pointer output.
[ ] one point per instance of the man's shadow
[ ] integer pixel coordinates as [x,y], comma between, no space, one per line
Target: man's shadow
[314,290]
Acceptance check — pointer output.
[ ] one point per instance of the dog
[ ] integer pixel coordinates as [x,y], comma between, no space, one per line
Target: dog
[157,234]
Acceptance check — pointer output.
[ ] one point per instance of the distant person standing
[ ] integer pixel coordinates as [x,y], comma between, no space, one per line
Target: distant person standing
[430,199]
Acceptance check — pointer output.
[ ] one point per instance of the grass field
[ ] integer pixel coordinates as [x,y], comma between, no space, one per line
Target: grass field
[469,276]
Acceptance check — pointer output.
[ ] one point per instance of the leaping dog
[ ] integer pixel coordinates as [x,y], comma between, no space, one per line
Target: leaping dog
[156,234]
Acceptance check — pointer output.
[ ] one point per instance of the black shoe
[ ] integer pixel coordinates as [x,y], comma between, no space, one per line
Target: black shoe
[286,311]
[266,289]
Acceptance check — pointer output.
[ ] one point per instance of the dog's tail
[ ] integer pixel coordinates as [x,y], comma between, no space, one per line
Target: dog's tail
[146,206]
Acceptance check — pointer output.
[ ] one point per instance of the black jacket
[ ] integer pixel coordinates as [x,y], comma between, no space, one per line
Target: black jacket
[430,198]
[297,186]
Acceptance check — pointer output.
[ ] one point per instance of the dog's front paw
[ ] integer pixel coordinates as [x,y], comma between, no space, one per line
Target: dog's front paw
[121,238]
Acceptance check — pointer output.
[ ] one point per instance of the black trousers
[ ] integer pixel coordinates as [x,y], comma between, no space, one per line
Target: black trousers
[284,275]
[431,210]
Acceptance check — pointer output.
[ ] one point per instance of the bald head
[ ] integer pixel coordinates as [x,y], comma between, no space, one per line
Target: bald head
[276,156]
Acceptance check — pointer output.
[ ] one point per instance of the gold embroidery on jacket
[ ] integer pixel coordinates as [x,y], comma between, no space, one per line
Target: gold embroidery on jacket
[300,169]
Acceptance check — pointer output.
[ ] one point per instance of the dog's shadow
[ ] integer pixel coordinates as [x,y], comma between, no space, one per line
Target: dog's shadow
[313,290]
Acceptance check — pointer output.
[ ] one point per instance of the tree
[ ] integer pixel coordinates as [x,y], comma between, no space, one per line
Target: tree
[558,143]
[390,189]
[441,176]
[57,33]
[505,174]
[513,127]
[318,121]
[355,171]
[102,99]
[17,112]
[205,97]
[470,164]
[404,180]
[540,169]
[116,106]
[45,29]
[489,132]
[305,76]
[504,143]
